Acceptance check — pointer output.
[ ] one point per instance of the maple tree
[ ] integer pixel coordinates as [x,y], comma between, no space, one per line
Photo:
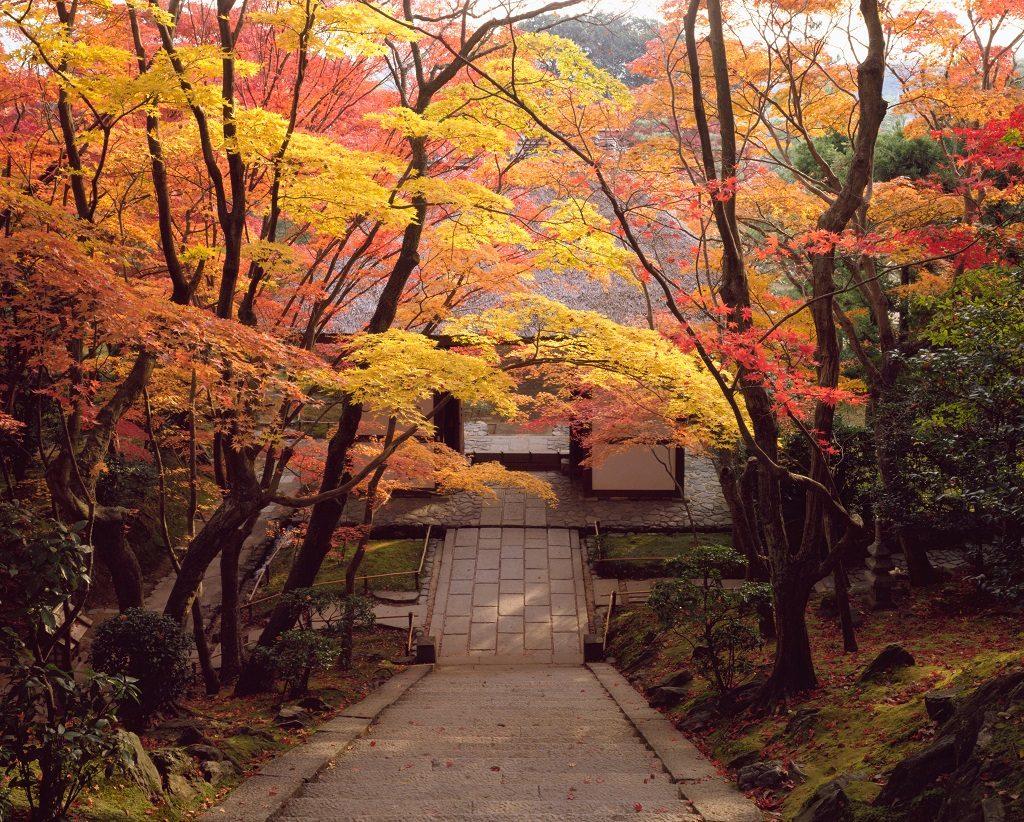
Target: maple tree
[225,224]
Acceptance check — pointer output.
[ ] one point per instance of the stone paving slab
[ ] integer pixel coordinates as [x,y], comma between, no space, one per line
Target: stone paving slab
[715,798]
[263,794]
[521,742]
[512,600]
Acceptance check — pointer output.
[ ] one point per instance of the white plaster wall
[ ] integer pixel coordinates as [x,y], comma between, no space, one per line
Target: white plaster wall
[637,469]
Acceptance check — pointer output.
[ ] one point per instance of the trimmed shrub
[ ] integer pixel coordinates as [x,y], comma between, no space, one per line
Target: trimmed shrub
[152,649]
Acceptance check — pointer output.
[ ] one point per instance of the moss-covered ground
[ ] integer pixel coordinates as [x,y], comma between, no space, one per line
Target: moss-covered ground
[243,728]
[638,555]
[861,729]
[383,556]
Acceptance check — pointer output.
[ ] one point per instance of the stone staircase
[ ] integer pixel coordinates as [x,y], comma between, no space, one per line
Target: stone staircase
[474,742]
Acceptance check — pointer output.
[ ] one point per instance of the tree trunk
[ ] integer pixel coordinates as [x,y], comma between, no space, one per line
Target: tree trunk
[119,559]
[888,536]
[230,637]
[231,515]
[210,679]
[315,546]
[842,586]
[744,533]
[793,671]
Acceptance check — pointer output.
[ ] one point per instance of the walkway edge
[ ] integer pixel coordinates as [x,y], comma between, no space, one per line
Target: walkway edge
[260,796]
[715,798]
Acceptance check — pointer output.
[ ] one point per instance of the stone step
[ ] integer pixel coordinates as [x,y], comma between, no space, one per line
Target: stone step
[521,734]
[388,807]
[568,790]
[474,774]
[497,743]
[577,752]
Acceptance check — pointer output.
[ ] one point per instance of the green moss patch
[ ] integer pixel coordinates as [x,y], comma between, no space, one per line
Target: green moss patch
[643,555]
[399,558]
[860,730]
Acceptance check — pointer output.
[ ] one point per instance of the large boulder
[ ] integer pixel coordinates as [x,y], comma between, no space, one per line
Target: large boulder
[976,750]
[138,765]
[916,773]
[177,770]
[829,803]
[891,658]
[676,679]
[667,696]
[941,704]
[771,774]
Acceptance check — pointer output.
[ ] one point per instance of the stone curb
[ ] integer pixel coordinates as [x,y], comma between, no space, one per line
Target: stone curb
[261,796]
[715,799]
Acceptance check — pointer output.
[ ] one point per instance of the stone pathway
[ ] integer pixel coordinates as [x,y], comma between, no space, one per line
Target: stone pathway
[508,725]
[501,743]
[510,593]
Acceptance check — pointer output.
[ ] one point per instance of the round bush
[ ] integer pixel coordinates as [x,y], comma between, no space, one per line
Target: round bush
[152,649]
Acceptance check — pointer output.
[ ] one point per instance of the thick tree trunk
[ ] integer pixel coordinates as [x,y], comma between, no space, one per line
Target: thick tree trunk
[793,671]
[745,538]
[223,525]
[230,638]
[113,551]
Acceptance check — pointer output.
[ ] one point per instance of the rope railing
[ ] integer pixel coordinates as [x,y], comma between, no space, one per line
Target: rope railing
[365,579]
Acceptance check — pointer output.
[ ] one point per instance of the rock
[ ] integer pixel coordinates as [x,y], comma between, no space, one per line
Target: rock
[249,730]
[737,699]
[992,809]
[217,773]
[802,721]
[139,767]
[291,717]
[191,735]
[742,760]
[667,696]
[677,679]
[181,731]
[207,753]
[891,658]
[829,803]
[172,760]
[827,605]
[314,704]
[176,768]
[696,720]
[967,746]
[940,704]
[796,773]
[769,774]
[916,773]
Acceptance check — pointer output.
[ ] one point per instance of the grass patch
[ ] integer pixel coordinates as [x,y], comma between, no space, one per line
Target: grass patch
[862,729]
[383,556]
[640,555]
